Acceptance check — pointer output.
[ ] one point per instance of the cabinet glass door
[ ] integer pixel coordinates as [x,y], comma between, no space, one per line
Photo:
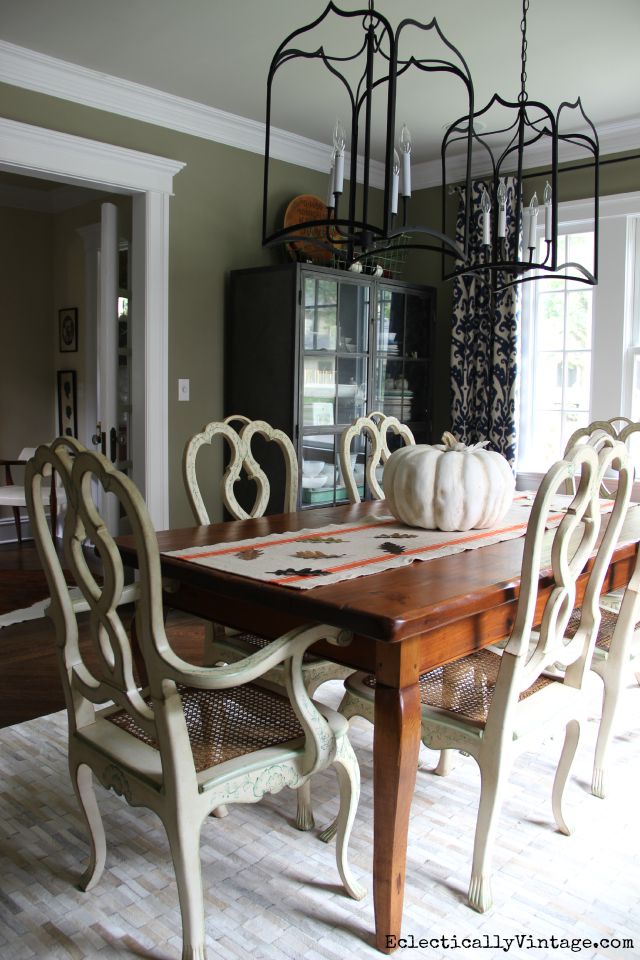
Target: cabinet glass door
[401,371]
[334,378]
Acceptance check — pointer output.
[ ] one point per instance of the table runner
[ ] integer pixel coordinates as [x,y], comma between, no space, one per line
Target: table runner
[320,556]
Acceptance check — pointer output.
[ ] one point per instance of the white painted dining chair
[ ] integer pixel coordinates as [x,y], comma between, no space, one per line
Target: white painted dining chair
[617,644]
[13,495]
[375,428]
[496,703]
[196,737]
[222,644]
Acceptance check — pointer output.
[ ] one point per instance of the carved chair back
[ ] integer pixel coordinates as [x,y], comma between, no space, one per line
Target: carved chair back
[239,440]
[527,654]
[375,427]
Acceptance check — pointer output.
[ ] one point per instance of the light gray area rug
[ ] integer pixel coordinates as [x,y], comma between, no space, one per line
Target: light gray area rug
[273,892]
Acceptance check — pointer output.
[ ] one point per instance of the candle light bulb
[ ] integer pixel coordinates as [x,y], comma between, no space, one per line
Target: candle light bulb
[405,149]
[547,196]
[501,196]
[339,144]
[485,205]
[339,138]
[405,139]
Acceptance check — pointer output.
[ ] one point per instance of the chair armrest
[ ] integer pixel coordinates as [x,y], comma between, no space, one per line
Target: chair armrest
[7,464]
[254,665]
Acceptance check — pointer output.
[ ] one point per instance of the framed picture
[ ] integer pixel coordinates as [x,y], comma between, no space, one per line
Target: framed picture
[67,409]
[68,321]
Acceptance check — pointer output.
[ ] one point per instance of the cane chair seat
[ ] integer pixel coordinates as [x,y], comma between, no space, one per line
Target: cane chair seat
[225,724]
[463,688]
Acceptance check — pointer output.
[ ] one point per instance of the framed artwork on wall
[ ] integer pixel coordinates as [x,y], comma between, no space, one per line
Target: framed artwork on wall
[68,329]
[67,408]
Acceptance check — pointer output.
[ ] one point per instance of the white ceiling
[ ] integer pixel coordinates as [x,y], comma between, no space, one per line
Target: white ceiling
[217,52]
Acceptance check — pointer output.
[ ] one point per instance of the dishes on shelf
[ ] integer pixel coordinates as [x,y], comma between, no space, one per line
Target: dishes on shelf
[313,483]
[312,468]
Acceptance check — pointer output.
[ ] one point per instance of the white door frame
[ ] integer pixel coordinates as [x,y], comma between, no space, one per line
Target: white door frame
[35,151]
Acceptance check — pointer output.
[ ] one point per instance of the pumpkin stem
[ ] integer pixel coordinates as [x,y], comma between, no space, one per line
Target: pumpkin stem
[449,440]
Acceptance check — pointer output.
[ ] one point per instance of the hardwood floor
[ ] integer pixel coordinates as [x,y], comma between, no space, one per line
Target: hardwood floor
[29,676]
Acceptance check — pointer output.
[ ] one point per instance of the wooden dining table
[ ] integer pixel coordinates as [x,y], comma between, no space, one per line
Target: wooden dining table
[405,621]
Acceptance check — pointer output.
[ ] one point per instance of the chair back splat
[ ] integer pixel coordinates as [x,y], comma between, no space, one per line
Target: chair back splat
[375,427]
[239,440]
[196,737]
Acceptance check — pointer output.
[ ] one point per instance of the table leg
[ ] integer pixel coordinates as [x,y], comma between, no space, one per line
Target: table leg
[395,760]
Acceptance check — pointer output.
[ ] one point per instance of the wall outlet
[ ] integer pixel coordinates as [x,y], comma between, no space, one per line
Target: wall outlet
[183,389]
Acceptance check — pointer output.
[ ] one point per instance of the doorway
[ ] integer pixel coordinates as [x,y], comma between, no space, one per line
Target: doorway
[148,180]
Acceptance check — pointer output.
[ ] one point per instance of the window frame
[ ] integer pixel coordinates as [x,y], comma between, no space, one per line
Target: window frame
[615,312]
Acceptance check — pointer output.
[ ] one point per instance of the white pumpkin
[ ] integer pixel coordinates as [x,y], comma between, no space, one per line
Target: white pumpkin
[448,486]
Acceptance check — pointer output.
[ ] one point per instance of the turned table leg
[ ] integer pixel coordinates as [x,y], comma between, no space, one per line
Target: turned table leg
[396,745]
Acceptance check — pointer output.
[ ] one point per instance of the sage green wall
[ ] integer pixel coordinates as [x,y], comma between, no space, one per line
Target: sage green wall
[215,227]
[27,379]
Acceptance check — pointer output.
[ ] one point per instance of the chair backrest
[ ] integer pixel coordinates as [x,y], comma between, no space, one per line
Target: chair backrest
[375,427]
[109,676]
[242,459]
[565,551]
[617,428]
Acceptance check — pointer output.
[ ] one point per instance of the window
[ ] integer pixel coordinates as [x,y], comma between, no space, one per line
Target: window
[580,345]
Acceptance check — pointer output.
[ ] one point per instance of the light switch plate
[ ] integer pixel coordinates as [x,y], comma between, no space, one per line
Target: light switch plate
[183,389]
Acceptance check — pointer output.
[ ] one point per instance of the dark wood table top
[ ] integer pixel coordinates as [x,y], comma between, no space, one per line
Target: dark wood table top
[392,605]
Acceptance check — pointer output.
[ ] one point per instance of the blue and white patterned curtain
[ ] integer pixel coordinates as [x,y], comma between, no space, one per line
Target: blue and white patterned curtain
[484,343]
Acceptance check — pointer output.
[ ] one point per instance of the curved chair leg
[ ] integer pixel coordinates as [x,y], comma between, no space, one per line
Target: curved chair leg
[304,816]
[493,779]
[571,739]
[445,763]
[82,780]
[184,841]
[610,694]
[348,773]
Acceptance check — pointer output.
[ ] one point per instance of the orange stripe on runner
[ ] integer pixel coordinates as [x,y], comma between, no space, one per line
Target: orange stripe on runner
[367,561]
[234,548]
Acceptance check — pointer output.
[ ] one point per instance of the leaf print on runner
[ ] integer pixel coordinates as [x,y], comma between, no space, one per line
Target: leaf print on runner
[396,536]
[249,554]
[392,547]
[303,572]
[316,555]
[320,539]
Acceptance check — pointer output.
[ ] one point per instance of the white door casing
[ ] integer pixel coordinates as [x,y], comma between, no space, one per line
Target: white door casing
[34,151]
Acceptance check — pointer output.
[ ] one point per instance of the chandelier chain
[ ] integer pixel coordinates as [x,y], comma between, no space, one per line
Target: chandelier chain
[523,56]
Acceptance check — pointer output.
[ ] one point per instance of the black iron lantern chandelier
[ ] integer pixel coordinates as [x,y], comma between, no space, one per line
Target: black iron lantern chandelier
[518,227]
[353,224]
[503,231]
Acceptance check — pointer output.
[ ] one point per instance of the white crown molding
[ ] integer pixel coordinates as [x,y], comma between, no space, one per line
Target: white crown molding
[66,157]
[26,68]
